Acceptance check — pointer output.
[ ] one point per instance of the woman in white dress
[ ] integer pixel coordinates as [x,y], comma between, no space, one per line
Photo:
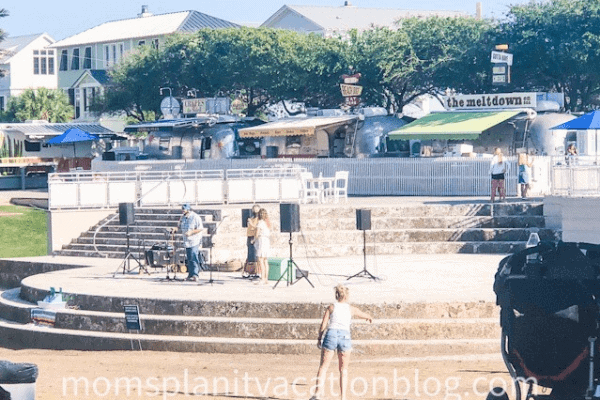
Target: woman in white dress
[263,244]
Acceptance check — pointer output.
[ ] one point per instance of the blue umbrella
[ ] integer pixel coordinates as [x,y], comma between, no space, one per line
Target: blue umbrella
[587,121]
[72,136]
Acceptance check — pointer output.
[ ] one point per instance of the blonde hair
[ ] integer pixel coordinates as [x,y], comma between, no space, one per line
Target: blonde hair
[341,292]
[523,159]
[498,152]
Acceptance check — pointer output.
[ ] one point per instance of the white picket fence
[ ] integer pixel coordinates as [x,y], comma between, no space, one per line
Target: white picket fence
[256,180]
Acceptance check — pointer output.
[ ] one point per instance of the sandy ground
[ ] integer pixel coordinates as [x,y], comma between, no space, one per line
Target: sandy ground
[165,375]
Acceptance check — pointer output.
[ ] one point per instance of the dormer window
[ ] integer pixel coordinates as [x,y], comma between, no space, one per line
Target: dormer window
[75,60]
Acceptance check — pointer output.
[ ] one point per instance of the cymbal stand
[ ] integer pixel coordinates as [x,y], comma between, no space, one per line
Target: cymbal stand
[172,265]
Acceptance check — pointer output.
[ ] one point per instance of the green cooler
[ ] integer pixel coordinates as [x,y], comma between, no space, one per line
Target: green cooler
[277,266]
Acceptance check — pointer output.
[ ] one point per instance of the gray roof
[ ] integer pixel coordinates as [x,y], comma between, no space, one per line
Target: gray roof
[146,27]
[345,18]
[53,129]
[13,44]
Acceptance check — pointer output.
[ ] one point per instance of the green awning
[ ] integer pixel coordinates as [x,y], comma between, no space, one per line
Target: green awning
[451,125]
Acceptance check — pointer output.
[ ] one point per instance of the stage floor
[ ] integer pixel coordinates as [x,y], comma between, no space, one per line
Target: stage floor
[411,278]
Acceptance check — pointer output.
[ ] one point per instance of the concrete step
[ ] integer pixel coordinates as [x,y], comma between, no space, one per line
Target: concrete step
[16,310]
[150,226]
[18,336]
[254,308]
[205,213]
[432,210]
[437,222]
[119,240]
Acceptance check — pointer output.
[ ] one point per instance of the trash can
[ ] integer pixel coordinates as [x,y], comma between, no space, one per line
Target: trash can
[277,266]
[18,380]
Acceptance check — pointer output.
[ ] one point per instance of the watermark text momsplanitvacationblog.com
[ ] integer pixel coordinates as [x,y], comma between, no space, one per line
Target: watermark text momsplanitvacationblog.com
[392,385]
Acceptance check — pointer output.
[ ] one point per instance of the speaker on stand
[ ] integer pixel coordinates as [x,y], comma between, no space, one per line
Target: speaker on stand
[363,223]
[289,219]
[127,218]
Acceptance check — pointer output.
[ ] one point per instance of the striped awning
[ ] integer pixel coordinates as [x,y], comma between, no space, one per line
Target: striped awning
[296,126]
[452,125]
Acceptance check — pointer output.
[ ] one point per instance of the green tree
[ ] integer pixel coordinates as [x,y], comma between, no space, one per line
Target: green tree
[422,56]
[262,65]
[41,103]
[556,47]
[3,13]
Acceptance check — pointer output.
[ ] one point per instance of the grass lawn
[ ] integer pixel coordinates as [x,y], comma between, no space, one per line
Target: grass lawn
[24,234]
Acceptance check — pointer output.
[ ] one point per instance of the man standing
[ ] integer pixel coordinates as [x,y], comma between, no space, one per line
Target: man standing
[191,226]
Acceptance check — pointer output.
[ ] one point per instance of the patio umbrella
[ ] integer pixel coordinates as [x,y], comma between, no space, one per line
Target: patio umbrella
[586,122]
[72,136]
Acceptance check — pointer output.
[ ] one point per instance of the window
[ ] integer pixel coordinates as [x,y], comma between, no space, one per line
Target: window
[43,61]
[163,143]
[87,58]
[141,43]
[75,60]
[50,62]
[155,44]
[1,103]
[33,146]
[113,53]
[36,62]
[63,61]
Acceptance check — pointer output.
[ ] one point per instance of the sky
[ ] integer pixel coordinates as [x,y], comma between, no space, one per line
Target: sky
[64,18]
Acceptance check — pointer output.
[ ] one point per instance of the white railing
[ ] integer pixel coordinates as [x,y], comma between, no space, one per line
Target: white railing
[579,180]
[84,189]
[250,180]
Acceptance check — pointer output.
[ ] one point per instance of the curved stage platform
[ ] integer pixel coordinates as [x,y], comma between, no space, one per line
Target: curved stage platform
[443,302]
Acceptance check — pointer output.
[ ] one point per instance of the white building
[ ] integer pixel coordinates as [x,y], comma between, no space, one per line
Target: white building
[338,21]
[85,58]
[27,63]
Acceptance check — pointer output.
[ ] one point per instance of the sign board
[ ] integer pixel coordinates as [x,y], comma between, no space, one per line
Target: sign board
[350,90]
[238,106]
[500,74]
[491,101]
[132,317]
[170,106]
[352,101]
[351,79]
[501,57]
[194,106]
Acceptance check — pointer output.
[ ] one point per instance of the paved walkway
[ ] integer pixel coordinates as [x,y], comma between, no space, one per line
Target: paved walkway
[403,279]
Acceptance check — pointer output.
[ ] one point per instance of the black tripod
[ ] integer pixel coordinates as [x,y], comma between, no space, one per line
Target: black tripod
[364,273]
[288,270]
[125,264]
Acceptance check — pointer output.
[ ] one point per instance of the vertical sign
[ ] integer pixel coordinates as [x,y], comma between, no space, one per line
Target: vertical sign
[132,317]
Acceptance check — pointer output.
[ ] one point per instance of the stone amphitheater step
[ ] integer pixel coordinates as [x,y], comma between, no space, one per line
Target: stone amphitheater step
[399,336]
[18,336]
[71,252]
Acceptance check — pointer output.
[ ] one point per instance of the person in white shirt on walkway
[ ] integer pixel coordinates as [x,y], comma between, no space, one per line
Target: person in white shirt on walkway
[336,327]
[498,169]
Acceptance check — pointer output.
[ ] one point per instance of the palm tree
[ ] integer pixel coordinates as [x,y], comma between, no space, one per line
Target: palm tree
[41,103]
[3,13]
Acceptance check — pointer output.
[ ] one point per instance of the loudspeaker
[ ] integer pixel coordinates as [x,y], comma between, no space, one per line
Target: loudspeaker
[363,220]
[126,214]
[289,215]
[246,213]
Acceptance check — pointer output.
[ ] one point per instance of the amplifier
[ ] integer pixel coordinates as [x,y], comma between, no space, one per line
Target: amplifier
[157,258]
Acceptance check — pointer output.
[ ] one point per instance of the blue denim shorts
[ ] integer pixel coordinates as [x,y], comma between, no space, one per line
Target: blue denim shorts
[336,339]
